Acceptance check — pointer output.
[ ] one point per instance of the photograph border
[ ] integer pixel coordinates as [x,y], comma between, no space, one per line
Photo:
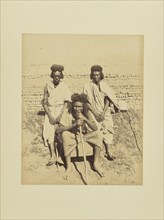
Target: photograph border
[71,202]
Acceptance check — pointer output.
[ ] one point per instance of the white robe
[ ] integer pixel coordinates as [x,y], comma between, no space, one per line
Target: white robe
[56,98]
[96,99]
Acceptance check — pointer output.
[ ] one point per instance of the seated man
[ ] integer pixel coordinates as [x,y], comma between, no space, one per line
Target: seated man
[69,133]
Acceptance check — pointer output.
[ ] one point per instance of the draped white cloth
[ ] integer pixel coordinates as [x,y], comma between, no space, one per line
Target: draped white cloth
[56,98]
[96,99]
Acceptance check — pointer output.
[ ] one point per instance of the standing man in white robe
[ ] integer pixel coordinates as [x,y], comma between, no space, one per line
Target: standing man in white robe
[102,102]
[55,100]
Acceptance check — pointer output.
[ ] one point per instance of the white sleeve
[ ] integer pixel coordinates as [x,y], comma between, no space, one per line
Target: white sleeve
[68,93]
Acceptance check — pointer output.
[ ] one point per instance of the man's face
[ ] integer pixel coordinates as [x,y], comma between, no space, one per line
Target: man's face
[96,76]
[78,107]
[56,77]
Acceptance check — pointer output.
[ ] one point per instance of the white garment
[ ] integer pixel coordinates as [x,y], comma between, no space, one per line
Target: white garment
[96,98]
[56,98]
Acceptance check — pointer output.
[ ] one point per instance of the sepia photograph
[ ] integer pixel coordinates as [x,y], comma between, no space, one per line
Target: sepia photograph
[82,109]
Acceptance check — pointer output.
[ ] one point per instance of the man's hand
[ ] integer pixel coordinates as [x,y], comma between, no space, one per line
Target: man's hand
[58,118]
[101,117]
[79,122]
[79,115]
[59,129]
[112,108]
[52,120]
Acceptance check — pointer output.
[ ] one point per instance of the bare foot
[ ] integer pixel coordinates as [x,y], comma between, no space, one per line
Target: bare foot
[98,170]
[110,157]
[59,161]
[51,161]
[67,174]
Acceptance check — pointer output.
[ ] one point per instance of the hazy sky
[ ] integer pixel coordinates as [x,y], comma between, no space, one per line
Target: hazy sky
[116,53]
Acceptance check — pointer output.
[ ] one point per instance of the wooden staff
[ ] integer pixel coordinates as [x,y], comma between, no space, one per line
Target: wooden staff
[84,155]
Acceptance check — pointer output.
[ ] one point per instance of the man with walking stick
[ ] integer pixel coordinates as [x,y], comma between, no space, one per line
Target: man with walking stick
[77,126]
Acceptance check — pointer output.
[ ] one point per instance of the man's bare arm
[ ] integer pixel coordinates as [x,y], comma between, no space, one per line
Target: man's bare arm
[45,106]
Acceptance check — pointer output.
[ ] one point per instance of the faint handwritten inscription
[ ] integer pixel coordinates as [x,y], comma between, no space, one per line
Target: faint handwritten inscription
[128,87]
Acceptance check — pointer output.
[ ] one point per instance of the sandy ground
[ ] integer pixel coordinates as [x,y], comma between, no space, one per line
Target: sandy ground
[125,170]
[122,60]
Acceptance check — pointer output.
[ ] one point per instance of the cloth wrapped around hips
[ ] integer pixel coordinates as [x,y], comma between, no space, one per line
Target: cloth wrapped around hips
[96,98]
[56,98]
[71,139]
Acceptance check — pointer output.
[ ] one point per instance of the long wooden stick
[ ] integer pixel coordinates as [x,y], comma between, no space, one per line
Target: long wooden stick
[84,155]
[57,155]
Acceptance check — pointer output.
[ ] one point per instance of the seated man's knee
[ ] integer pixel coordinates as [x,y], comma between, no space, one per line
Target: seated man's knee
[65,134]
[98,134]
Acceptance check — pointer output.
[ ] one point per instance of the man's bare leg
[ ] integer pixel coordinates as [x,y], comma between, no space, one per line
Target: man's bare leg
[52,158]
[108,155]
[96,162]
[68,166]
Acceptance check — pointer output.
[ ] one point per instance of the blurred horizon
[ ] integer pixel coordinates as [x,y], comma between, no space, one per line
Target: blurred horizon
[121,54]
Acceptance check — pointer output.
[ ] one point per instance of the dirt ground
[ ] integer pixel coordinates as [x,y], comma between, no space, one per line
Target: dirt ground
[122,61]
[127,147]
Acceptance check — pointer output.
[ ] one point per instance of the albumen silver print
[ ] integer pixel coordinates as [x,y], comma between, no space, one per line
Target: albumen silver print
[82,109]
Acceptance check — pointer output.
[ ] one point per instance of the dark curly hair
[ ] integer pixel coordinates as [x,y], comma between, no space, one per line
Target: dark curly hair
[76,97]
[96,68]
[55,67]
